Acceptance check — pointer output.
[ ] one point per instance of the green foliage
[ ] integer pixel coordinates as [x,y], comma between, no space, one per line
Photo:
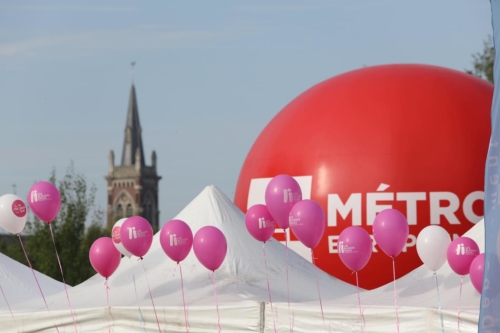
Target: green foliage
[483,62]
[73,238]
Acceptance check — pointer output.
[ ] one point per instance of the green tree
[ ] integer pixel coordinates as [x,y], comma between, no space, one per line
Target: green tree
[483,61]
[73,238]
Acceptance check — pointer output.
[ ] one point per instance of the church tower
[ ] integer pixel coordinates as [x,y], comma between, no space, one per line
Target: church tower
[133,186]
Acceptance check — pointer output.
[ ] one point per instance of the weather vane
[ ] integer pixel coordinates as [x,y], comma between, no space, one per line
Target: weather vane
[132,64]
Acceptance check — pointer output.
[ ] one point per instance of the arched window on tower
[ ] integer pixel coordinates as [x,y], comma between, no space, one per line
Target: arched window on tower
[119,211]
[130,211]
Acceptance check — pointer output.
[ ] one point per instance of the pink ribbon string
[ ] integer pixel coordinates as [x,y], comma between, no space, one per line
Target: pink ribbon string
[151,295]
[395,293]
[183,300]
[5,298]
[290,314]
[109,307]
[34,275]
[317,284]
[459,299]
[359,303]
[268,286]
[106,285]
[64,282]
[439,303]
[216,303]
[136,297]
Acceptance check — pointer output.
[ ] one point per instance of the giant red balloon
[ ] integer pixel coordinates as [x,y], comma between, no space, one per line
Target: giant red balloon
[409,137]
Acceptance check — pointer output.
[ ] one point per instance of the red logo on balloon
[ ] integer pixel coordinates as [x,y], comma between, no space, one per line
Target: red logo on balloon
[116,235]
[19,208]
[407,137]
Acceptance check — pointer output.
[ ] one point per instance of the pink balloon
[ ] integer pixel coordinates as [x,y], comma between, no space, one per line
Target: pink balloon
[390,230]
[282,193]
[260,224]
[210,247]
[461,252]
[136,235]
[308,222]
[476,272]
[45,201]
[104,256]
[176,240]
[355,248]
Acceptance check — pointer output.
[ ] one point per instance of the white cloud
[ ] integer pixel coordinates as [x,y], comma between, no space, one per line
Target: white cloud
[103,40]
[138,38]
[30,46]
[68,8]
[275,8]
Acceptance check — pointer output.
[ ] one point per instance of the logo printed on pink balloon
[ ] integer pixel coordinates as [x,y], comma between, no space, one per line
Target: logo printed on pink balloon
[460,254]
[263,223]
[295,221]
[39,196]
[177,241]
[461,249]
[134,233]
[344,248]
[289,196]
[116,235]
[19,208]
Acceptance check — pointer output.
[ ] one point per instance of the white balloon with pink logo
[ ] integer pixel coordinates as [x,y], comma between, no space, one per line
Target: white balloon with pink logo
[13,213]
[117,241]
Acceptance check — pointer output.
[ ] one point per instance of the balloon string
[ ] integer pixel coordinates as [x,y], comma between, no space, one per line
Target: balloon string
[290,315]
[395,292]
[216,303]
[64,282]
[439,303]
[459,298]
[183,299]
[5,298]
[109,307]
[151,296]
[317,284]
[34,275]
[268,286]
[136,297]
[359,302]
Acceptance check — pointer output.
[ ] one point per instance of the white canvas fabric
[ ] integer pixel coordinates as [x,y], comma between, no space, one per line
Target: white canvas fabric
[242,291]
[19,285]
[417,304]
[241,283]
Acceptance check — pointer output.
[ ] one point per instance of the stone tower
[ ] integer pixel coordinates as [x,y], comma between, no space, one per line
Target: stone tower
[133,186]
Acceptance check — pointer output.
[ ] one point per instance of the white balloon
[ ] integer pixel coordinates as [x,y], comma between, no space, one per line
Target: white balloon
[13,213]
[117,241]
[432,245]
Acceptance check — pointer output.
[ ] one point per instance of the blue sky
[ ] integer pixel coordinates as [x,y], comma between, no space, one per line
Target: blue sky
[209,76]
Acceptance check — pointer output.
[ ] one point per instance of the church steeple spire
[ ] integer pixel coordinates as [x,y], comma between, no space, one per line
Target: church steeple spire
[133,185]
[133,133]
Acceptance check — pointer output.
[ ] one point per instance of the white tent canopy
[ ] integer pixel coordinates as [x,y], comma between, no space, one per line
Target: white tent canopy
[241,283]
[19,285]
[417,304]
